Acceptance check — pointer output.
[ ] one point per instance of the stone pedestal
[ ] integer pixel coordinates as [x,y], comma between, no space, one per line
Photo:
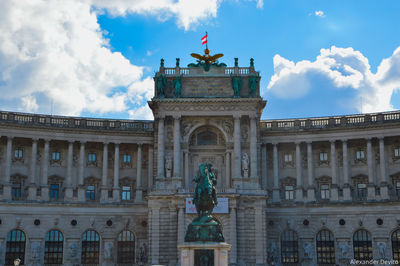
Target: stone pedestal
[81,194]
[346,193]
[32,193]
[371,193]
[299,194]
[138,196]
[310,194]
[45,193]
[220,250]
[104,195]
[334,194]
[116,194]
[69,193]
[384,192]
[276,197]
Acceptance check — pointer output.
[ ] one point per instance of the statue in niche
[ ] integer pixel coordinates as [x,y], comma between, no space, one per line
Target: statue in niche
[36,251]
[108,250]
[177,83]
[245,165]
[142,254]
[253,81]
[161,83]
[236,86]
[307,250]
[382,249]
[344,249]
[168,166]
[72,250]
[272,256]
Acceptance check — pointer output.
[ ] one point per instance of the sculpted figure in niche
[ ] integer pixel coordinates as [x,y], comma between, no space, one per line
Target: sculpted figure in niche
[177,87]
[168,166]
[382,249]
[142,254]
[161,83]
[307,250]
[35,251]
[245,165]
[344,249]
[72,250]
[108,250]
[236,86]
[253,81]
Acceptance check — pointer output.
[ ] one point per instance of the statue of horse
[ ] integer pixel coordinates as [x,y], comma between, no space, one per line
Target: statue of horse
[205,196]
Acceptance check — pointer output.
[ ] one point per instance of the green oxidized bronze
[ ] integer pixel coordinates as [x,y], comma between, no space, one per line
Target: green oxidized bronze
[177,87]
[207,60]
[253,81]
[161,83]
[236,85]
[205,227]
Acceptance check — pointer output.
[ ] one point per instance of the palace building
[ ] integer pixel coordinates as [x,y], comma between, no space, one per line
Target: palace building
[309,191]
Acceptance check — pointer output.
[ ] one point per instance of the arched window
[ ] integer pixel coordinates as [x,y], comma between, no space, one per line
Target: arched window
[90,247]
[53,248]
[362,245]
[15,248]
[207,138]
[289,247]
[396,244]
[126,247]
[325,247]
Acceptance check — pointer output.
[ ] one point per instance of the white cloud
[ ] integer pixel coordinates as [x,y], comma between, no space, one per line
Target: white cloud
[339,69]
[141,113]
[29,103]
[319,13]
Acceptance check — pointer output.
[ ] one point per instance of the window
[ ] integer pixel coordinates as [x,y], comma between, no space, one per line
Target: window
[16,192]
[288,158]
[398,188]
[207,138]
[90,247]
[289,247]
[90,192]
[126,193]
[325,248]
[289,192]
[360,155]
[361,191]
[396,244]
[127,158]
[15,247]
[18,153]
[91,157]
[396,152]
[325,191]
[53,248]
[55,156]
[362,245]
[126,248]
[54,191]
[323,156]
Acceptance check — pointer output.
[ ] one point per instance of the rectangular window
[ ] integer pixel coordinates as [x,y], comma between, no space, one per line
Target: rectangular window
[126,193]
[288,158]
[16,192]
[362,191]
[54,191]
[398,189]
[289,192]
[92,157]
[90,192]
[18,153]
[323,156]
[396,152]
[127,158]
[325,191]
[55,156]
[360,155]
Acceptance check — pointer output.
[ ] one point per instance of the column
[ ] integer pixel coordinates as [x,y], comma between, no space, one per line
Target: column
[334,197]
[233,233]
[116,188]
[346,186]
[81,172]
[264,166]
[139,192]
[177,147]
[150,168]
[310,171]
[259,236]
[382,165]
[161,148]
[275,191]
[104,174]
[155,235]
[32,186]
[299,181]
[181,229]
[45,168]
[7,170]
[68,186]
[253,148]
[371,177]
[227,169]
[237,173]
[187,178]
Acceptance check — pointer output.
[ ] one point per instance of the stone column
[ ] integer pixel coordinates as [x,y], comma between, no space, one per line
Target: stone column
[45,168]
[299,181]
[32,186]
[139,192]
[334,197]
[237,173]
[116,188]
[382,164]
[233,233]
[253,148]
[310,171]
[155,235]
[227,169]
[187,178]
[177,147]
[259,236]
[371,177]
[181,229]
[275,191]
[7,170]
[104,175]
[264,166]
[81,172]
[161,149]
[150,168]
[346,186]
[68,182]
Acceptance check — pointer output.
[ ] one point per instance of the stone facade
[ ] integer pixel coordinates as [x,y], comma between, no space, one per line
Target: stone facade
[282,178]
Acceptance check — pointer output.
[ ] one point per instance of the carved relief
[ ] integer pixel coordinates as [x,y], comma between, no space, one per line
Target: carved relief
[245,165]
[168,165]
[245,133]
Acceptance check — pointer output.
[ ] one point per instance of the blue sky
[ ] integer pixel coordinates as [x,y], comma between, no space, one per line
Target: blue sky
[96,58]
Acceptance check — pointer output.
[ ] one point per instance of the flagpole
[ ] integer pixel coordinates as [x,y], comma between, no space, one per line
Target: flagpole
[207,41]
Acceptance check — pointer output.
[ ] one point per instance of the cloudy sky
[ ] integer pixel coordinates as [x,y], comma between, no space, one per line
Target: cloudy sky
[97,57]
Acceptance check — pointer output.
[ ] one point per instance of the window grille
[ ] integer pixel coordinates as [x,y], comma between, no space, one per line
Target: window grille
[126,248]
[325,191]
[289,192]
[362,245]
[361,191]
[396,244]
[289,247]
[91,192]
[325,248]
[15,247]
[54,191]
[53,248]
[90,248]
[18,153]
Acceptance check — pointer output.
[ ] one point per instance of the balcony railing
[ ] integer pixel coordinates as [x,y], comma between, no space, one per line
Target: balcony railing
[241,71]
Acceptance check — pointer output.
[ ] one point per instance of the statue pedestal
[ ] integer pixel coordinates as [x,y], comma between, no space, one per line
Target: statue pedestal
[192,252]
